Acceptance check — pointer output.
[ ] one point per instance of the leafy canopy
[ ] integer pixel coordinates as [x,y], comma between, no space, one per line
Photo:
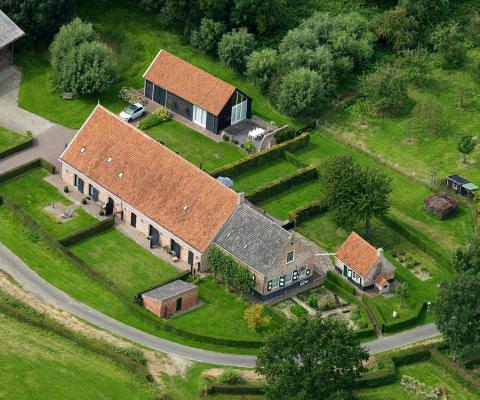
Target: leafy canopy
[234,47]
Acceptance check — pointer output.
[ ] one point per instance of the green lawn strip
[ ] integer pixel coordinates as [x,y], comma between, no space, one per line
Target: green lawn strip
[195,147]
[221,315]
[123,261]
[33,193]
[37,364]
[256,177]
[279,205]
[428,373]
[65,276]
[9,138]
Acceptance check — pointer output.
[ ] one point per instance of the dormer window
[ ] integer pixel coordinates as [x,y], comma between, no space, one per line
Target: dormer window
[109,159]
[120,174]
[290,257]
[82,150]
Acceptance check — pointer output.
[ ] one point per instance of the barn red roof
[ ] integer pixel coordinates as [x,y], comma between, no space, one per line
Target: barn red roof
[358,254]
[189,82]
[151,178]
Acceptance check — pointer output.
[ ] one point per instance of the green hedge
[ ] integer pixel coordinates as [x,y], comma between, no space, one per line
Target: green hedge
[21,169]
[411,355]
[390,327]
[229,388]
[470,361]
[87,232]
[366,333]
[26,143]
[338,281]
[382,377]
[285,134]
[279,185]
[370,303]
[245,164]
[303,213]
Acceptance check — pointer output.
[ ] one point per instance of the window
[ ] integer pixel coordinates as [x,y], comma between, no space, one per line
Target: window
[290,257]
[269,285]
[275,283]
[93,193]
[282,281]
[303,270]
[295,275]
[288,277]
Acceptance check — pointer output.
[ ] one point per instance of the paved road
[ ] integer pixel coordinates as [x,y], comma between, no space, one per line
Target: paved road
[38,286]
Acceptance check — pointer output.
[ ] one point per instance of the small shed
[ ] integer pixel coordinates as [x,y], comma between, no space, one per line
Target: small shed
[171,298]
[441,204]
[382,285]
[460,185]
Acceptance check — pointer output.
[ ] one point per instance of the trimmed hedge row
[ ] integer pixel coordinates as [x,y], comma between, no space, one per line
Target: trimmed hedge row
[118,355]
[380,319]
[229,388]
[281,184]
[390,327]
[366,333]
[303,213]
[81,234]
[26,143]
[341,283]
[238,167]
[21,169]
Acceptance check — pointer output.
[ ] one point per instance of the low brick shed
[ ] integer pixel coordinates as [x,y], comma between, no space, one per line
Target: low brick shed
[168,299]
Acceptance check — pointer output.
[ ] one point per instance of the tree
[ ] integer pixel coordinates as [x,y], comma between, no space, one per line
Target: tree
[261,66]
[301,92]
[234,47]
[354,194]
[386,89]
[457,312]
[465,146]
[448,41]
[427,12]
[403,292]
[396,28]
[206,37]
[362,110]
[323,359]
[428,115]
[242,279]
[39,18]
[415,65]
[254,316]
[468,259]
[261,16]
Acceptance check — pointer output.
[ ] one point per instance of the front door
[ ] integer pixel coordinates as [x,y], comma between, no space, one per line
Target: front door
[154,237]
[133,220]
[199,116]
[179,304]
[109,207]
[175,247]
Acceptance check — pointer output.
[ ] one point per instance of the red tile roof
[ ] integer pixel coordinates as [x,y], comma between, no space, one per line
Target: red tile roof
[189,82]
[358,254]
[156,181]
[380,281]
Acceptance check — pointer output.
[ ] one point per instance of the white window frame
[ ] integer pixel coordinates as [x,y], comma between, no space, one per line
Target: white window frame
[203,116]
[302,271]
[293,256]
[275,283]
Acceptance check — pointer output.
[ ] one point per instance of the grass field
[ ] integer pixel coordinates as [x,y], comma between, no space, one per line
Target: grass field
[429,374]
[39,365]
[195,147]
[123,261]
[9,138]
[33,193]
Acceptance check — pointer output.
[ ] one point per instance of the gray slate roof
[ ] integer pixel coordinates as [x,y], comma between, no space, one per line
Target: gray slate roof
[169,290]
[9,32]
[252,238]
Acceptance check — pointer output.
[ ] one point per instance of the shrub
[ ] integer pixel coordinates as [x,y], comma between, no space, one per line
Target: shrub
[285,135]
[226,137]
[298,310]
[131,95]
[231,376]
[448,41]
[249,147]
[254,315]
[417,388]
[161,114]
[261,66]
[234,47]
[313,301]
[207,35]
[301,92]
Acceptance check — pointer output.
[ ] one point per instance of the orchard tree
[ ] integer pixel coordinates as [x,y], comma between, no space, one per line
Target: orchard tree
[261,66]
[362,110]
[448,42]
[468,258]
[457,313]
[415,65]
[465,146]
[322,359]
[301,92]
[427,12]
[207,36]
[234,47]
[39,19]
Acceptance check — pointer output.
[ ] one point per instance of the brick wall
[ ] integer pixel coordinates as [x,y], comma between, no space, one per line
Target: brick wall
[168,307]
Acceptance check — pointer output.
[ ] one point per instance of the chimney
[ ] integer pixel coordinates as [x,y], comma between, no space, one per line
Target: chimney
[241,197]
[380,252]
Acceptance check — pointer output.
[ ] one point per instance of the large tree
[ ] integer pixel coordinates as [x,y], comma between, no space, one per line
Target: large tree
[354,194]
[396,28]
[311,358]
[468,258]
[448,42]
[206,37]
[235,47]
[39,18]
[261,66]
[457,312]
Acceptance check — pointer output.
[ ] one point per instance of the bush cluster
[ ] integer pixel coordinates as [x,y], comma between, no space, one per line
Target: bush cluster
[131,95]
[161,114]
[231,375]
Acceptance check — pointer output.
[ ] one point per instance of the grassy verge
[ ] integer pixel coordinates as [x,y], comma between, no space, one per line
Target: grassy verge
[9,139]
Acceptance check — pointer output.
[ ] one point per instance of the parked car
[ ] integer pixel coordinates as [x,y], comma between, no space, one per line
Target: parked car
[132,112]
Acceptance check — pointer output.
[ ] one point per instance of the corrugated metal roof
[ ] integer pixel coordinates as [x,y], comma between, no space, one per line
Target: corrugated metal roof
[9,31]
[470,186]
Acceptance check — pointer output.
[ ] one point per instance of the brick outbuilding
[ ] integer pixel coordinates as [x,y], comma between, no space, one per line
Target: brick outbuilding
[168,299]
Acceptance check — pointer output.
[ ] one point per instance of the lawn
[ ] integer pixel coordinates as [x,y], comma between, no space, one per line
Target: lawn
[33,193]
[265,173]
[221,315]
[9,138]
[428,373]
[39,365]
[195,147]
[123,261]
[280,204]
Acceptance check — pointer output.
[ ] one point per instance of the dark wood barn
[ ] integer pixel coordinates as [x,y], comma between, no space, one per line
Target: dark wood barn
[9,33]
[441,204]
[195,94]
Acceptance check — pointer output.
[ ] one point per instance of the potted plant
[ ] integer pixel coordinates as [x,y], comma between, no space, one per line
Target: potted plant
[84,201]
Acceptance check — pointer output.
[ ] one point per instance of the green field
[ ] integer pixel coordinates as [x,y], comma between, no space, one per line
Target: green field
[39,365]
[195,147]
[123,261]
[9,138]
[33,193]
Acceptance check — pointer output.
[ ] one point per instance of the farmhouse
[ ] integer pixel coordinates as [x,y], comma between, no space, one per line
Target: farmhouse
[364,265]
[146,185]
[194,94]
[9,33]
[279,260]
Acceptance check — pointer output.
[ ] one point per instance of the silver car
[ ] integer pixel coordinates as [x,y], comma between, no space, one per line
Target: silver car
[132,112]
